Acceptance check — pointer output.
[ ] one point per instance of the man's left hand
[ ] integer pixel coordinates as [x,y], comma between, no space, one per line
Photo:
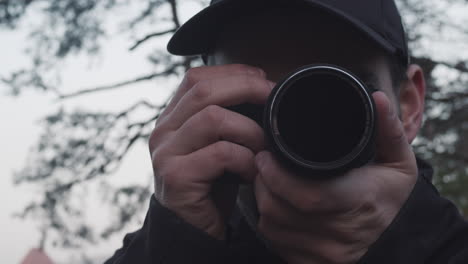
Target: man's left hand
[337,220]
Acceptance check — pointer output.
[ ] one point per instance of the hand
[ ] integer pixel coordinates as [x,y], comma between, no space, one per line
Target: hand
[335,221]
[196,140]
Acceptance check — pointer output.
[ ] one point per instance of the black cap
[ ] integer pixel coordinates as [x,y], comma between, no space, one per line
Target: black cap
[379,20]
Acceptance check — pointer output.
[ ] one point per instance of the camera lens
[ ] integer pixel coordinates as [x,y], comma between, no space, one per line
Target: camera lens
[322,118]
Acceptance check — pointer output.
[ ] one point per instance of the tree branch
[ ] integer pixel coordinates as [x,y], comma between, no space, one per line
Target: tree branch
[449,97]
[175,16]
[459,66]
[149,36]
[430,64]
[168,71]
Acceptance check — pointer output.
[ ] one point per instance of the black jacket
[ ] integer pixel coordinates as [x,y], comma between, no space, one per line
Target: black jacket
[428,229]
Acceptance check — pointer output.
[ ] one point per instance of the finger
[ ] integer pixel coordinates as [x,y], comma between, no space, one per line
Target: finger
[286,229]
[305,195]
[213,124]
[392,144]
[228,91]
[289,229]
[211,162]
[275,210]
[195,75]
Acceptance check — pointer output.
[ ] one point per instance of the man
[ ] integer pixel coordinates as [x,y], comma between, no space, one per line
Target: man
[384,212]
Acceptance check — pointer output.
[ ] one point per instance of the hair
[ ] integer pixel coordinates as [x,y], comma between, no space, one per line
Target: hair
[398,71]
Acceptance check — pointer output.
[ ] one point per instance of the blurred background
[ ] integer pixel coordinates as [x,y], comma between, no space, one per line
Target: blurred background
[82,83]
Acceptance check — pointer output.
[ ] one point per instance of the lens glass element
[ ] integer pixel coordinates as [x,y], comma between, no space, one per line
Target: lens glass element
[321,117]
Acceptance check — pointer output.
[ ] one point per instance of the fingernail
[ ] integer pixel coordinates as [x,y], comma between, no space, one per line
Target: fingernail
[262,72]
[256,71]
[272,84]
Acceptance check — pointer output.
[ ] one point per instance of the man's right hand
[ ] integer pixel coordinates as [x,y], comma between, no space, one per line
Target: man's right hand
[196,140]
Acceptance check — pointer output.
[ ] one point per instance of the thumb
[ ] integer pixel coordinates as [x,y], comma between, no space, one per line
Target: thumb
[392,144]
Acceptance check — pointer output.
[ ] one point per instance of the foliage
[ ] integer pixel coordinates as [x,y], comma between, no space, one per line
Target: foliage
[82,146]
[443,139]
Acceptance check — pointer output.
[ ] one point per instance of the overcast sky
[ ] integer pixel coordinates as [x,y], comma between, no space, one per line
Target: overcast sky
[20,128]
[17,134]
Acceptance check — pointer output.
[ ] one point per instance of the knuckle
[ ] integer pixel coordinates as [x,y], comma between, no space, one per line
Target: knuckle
[223,151]
[256,85]
[155,139]
[157,158]
[202,90]
[165,115]
[248,81]
[367,208]
[159,135]
[243,68]
[192,76]
[212,114]
[170,176]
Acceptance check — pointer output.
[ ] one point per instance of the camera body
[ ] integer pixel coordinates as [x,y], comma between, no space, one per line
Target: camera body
[320,120]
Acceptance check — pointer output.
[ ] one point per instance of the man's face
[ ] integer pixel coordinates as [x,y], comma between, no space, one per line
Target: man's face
[280,41]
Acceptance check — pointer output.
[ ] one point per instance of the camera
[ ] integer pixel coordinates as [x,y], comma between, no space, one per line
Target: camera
[321,119]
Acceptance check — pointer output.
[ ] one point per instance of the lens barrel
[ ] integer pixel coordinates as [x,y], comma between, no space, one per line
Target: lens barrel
[321,119]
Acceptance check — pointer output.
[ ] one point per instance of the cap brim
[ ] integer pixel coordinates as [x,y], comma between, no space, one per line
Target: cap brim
[198,35]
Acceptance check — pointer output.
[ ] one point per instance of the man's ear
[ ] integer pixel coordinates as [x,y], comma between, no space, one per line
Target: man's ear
[412,93]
